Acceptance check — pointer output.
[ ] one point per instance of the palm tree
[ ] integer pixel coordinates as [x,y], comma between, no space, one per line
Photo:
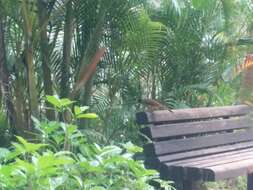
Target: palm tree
[40,30]
[174,52]
[5,76]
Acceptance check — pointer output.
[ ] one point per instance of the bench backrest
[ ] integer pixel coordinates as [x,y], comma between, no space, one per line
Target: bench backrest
[189,132]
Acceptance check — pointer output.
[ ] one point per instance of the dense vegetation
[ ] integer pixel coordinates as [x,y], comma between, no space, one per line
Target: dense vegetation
[63,159]
[107,54]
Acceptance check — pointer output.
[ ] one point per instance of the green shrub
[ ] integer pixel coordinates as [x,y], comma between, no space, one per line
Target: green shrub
[61,159]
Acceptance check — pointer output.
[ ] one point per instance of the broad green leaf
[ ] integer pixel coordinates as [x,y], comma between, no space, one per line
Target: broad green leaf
[50,160]
[22,140]
[58,139]
[71,129]
[77,110]
[66,102]
[132,148]
[7,169]
[88,150]
[84,108]
[88,167]
[54,100]
[30,147]
[50,127]
[115,159]
[110,151]
[19,149]
[28,167]
[87,116]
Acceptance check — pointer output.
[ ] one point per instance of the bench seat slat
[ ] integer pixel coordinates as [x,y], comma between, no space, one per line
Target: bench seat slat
[221,160]
[211,168]
[223,171]
[198,153]
[181,115]
[229,170]
[182,129]
[180,145]
[217,159]
[197,161]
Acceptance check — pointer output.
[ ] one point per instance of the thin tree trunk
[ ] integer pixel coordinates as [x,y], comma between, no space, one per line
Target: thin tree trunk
[4,80]
[31,81]
[33,94]
[44,49]
[153,88]
[68,34]
[90,51]
[20,100]
[19,107]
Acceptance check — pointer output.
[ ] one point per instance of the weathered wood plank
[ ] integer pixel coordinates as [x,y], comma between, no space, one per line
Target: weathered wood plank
[224,169]
[211,160]
[194,168]
[226,159]
[230,170]
[191,128]
[204,152]
[220,172]
[181,115]
[180,145]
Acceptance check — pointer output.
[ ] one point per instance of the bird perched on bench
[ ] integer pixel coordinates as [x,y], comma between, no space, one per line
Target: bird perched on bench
[153,105]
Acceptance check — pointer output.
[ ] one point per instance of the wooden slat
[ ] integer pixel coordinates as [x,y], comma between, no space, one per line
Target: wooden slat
[174,146]
[229,170]
[209,168]
[225,158]
[201,152]
[182,129]
[211,160]
[181,115]
[223,168]
[219,172]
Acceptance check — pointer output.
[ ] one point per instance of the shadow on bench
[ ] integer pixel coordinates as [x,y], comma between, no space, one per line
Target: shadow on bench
[200,144]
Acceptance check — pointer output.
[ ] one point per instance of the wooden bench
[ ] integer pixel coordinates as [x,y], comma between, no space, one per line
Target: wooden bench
[200,144]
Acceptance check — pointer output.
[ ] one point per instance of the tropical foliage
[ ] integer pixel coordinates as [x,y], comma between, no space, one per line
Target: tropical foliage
[110,54]
[171,51]
[62,159]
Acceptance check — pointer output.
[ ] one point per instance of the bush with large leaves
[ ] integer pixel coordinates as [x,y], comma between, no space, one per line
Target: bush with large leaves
[62,159]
